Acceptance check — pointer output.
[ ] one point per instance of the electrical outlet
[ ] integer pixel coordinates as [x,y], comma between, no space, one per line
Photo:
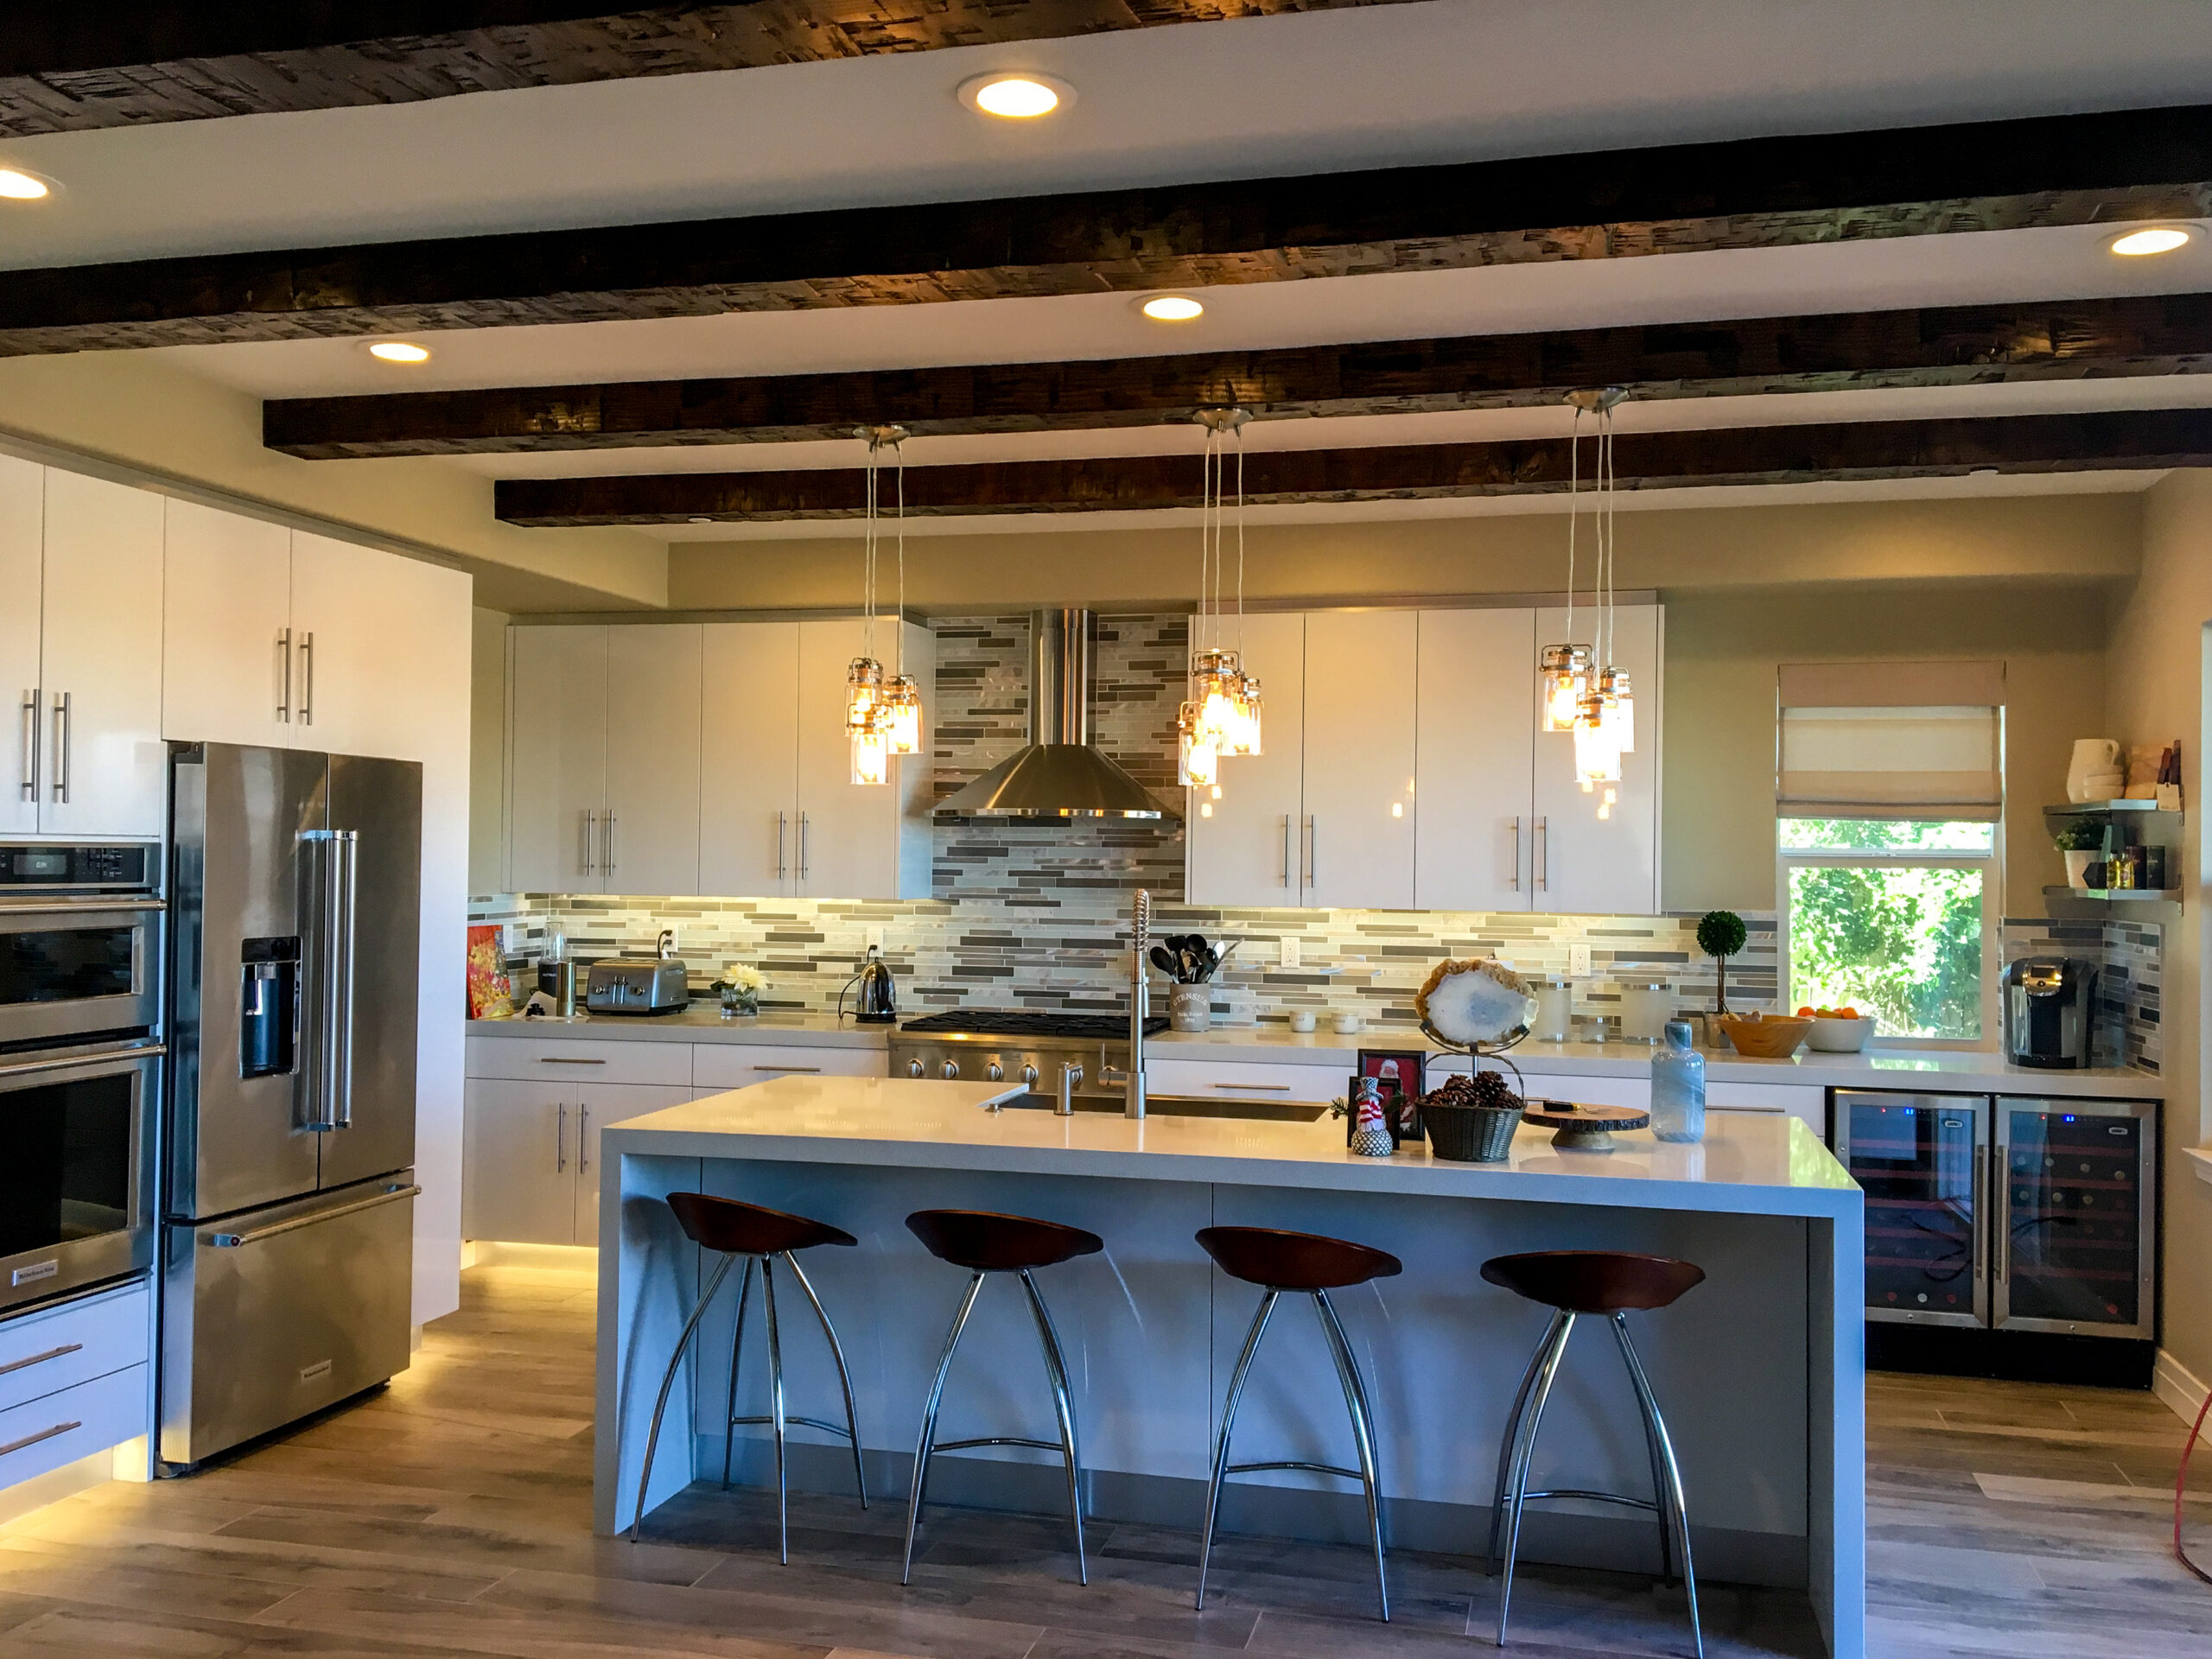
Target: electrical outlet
[674,939]
[1577,957]
[1287,951]
[876,938]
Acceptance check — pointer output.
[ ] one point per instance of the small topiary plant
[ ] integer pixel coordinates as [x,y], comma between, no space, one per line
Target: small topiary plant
[1720,934]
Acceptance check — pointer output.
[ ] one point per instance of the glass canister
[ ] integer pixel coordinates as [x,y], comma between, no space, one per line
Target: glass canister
[1554,1021]
[1678,1087]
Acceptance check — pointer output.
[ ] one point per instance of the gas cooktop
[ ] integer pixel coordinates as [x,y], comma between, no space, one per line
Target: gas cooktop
[1029,1022]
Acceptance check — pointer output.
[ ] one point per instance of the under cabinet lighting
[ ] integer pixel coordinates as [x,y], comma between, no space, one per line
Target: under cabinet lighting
[18,185]
[1021,96]
[2151,239]
[1172,308]
[399,350]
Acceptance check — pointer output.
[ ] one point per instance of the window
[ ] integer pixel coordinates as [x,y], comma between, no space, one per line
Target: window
[1897,918]
[1889,792]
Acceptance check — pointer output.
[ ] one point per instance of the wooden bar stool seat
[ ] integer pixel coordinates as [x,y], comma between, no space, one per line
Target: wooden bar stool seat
[985,1242]
[1609,1284]
[733,1230]
[1313,1265]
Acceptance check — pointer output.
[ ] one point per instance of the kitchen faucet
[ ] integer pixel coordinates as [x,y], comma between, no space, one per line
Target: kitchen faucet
[1132,1080]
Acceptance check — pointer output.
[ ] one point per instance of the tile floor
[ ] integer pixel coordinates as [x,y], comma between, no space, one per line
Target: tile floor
[447,1516]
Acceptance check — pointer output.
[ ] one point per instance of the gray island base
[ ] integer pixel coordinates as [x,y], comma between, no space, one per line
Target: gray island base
[1760,1370]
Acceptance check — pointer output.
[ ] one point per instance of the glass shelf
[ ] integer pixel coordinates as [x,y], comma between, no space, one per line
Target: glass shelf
[2107,809]
[2117,895]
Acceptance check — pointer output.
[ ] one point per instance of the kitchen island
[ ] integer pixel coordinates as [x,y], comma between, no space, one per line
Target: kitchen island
[1760,1369]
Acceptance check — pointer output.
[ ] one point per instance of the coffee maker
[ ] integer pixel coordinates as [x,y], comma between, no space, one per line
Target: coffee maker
[2050,1012]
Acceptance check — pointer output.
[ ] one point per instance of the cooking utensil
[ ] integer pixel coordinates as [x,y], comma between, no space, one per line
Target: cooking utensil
[1166,963]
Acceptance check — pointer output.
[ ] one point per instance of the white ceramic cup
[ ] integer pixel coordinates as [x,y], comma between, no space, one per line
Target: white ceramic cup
[1348,1023]
[1302,1021]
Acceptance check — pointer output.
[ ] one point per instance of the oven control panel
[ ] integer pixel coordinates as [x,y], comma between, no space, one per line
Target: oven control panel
[100,866]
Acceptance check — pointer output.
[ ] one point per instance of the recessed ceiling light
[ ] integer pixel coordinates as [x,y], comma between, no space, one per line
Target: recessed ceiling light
[16,185]
[399,350]
[1172,308]
[1016,95]
[2152,239]
[696,520]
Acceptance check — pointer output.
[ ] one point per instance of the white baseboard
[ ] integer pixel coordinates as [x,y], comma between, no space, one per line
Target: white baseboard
[2174,1382]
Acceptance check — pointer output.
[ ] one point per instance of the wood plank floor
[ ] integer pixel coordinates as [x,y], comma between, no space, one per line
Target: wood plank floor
[449,1515]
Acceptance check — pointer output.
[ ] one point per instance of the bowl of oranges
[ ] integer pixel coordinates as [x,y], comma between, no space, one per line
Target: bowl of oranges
[1837,1031]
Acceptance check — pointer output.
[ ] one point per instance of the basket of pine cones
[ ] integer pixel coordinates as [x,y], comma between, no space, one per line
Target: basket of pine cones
[1472,1120]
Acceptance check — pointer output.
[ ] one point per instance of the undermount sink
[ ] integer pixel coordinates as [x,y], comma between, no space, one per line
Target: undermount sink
[1272,1111]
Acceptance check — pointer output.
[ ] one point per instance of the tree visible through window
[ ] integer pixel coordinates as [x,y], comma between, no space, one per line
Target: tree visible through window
[1893,917]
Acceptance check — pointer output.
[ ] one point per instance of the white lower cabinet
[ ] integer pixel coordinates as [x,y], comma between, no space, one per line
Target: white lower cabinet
[73,1380]
[532,1155]
[718,1066]
[1235,1080]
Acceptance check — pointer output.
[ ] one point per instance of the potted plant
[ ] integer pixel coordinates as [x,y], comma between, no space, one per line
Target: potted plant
[2080,843]
[1720,934]
[740,988]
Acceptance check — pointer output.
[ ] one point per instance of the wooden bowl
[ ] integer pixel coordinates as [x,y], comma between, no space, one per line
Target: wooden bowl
[1765,1039]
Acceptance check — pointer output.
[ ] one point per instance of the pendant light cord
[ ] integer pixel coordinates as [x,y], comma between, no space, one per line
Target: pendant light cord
[1240,546]
[867,562]
[1573,511]
[899,455]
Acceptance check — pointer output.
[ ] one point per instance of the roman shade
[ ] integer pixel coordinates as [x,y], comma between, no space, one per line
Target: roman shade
[1892,740]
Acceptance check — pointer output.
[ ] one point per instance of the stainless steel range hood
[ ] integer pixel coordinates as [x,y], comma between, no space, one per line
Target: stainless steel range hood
[1058,775]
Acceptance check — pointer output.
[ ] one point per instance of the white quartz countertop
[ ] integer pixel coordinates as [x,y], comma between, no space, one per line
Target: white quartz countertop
[1951,1070]
[1748,1163]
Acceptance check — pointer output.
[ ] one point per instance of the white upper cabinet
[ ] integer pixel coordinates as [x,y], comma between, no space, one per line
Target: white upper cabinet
[1359,759]
[748,816]
[652,759]
[23,539]
[1597,851]
[374,648]
[1475,713]
[557,797]
[859,840]
[227,666]
[1247,847]
[105,770]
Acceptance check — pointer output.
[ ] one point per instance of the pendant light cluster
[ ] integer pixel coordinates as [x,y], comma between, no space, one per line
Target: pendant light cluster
[883,712]
[1221,716]
[1581,690]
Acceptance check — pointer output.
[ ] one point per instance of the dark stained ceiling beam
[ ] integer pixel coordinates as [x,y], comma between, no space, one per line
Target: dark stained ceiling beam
[1952,347]
[66,66]
[2134,440]
[2057,170]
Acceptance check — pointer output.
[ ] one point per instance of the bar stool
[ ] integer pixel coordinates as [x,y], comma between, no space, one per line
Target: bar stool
[1279,1262]
[985,1243]
[1570,1283]
[733,1229]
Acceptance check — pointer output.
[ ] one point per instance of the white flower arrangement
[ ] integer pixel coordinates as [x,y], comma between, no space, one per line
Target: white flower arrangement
[740,988]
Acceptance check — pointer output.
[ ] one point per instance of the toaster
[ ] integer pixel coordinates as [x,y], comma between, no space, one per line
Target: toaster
[638,985]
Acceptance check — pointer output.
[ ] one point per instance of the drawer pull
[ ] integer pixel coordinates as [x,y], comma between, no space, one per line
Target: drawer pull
[556,1059]
[32,1440]
[787,1068]
[1257,1088]
[41,1359]
[233,1241]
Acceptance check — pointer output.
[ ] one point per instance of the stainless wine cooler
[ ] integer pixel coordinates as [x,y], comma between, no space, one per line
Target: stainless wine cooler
[2010,1235]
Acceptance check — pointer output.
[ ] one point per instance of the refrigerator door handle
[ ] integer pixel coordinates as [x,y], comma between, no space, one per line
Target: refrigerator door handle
[392,1195]
[307,1086]
[1979,1201]
[345,879]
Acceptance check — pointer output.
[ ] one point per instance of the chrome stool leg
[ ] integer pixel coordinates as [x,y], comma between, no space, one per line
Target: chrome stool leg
[1063,1405]
[844,1377]
[776,1410]
[1673,1512]
[1362,1430]
[1236,1379]
[736,1342]
[1506,1442]
[1553,1351]
[668,1382]
[922,1445]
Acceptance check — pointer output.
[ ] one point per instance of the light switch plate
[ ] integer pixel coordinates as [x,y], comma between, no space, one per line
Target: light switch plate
[1287,951]
[1577,957]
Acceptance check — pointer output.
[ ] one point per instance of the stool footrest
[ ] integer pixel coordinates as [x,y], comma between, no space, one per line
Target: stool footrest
[997,1440]
[838,1429]
[1309,1468]
[1595,1497]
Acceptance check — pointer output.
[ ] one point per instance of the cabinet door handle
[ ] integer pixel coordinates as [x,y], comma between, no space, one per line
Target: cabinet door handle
[1516,882]
[1313,851]
[31,732]
[1257,1088]
[560,1141]
[284,674]
[583,1138]
[1285,849]
[32,1440]
[25,1364]
[307,678]
[591,839]
[608,861]
[779,846]
[61,747]
[553,1059]
[1978,1220]
[805,826]
[1543,855]
[785,1069]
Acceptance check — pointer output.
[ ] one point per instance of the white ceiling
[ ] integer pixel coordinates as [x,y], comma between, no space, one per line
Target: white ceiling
[1451,80]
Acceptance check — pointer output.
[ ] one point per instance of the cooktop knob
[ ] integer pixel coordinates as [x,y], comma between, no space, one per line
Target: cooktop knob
[1029,1076]
[995,1072]
[913,1068]
[952,1069]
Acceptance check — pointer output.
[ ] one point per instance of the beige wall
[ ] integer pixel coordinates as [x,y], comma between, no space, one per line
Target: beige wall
[1722,650]
[2155,688]
[139,411]
[488,751]
[2041,537]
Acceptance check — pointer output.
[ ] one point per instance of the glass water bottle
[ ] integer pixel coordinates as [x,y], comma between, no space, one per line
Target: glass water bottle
[1678,1087]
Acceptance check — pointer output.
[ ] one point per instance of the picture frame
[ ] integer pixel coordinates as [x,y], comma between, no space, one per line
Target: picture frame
[1401,1079]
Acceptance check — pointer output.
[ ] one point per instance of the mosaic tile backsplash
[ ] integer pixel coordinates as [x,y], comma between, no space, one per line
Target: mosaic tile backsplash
[1036,916]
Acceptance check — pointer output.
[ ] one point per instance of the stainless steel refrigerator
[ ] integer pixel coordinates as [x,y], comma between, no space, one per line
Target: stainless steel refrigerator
[287,1247]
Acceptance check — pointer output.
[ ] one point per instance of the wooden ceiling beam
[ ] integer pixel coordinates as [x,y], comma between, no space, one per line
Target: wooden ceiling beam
[69,66]
[1854,450]
[2057,170]
[1954,345]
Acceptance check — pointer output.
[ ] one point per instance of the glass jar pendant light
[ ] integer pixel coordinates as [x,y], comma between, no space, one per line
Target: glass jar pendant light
[1583,691]
[1222,715]
[883,711]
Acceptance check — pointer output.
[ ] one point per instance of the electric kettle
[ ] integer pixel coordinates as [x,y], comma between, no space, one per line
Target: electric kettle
[878,1001]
